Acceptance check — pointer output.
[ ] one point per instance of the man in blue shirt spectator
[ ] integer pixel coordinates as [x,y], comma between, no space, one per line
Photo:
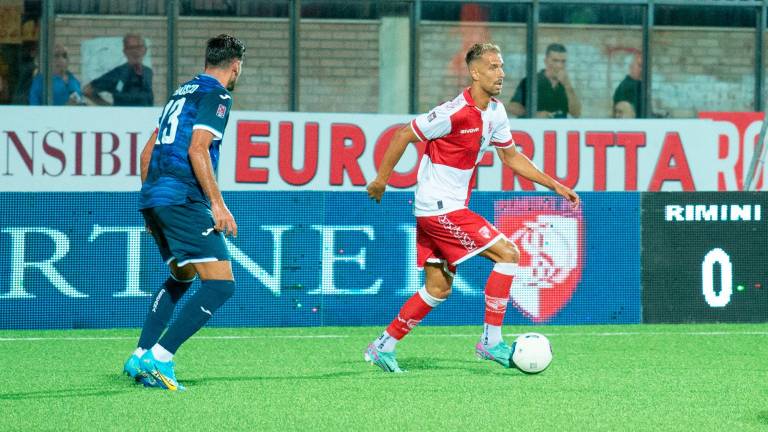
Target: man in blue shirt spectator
[66,88]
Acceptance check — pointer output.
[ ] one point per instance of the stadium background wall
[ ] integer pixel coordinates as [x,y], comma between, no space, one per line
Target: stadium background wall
[339,55]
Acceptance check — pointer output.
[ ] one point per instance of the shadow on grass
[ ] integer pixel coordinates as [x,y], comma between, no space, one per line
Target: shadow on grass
[62,394]
[327,376]
[762,417]
[472,367]
[446,364]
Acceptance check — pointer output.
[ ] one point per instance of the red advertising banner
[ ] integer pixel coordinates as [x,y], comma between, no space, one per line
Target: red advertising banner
[97,149]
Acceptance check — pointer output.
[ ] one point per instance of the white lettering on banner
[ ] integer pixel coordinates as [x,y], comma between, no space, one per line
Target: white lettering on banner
[271,281]
[712,212]
[133,257]
[84,149]
[330,256]
[19,262]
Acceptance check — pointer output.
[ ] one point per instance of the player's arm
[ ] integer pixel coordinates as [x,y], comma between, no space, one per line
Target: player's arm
[146,155]
[523,166]
[203,169]
[394,152]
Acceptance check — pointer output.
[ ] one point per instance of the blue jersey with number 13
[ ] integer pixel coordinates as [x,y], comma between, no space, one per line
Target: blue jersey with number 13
[202,103]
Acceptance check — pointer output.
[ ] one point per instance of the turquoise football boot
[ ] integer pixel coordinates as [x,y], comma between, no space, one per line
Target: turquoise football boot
[132,367]
[158,374]
[385,360]
[501,353]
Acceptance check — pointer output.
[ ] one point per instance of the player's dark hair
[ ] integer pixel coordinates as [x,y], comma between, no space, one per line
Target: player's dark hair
[222,50]
[555,47]
[477,50]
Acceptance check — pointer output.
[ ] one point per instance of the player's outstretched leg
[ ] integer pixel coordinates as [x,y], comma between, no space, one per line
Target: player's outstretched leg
[381,352]
[160,312]
[491,345]
[157,362]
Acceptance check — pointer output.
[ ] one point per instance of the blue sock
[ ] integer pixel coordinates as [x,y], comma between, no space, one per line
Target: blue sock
[160,311]
[198,310]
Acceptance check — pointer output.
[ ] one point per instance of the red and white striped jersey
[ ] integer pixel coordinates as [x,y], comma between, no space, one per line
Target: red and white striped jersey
[457,135]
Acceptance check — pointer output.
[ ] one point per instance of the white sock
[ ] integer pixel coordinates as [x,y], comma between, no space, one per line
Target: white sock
[385,342]
[139,352]
[491,335]
[161,354]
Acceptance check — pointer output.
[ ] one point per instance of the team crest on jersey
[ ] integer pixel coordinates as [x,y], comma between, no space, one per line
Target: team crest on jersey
[221,111]
[549,235]
[485,232]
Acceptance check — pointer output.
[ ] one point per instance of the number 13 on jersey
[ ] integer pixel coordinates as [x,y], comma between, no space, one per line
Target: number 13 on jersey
[169,121]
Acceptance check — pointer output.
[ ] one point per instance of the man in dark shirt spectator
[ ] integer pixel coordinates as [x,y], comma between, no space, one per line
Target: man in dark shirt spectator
[556,97]
[130,83]
[629,89]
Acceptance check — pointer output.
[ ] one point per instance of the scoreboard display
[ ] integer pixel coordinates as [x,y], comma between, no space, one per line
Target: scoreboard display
[705,257]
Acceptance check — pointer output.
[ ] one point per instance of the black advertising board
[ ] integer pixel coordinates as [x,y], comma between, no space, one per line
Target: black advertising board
[705,257]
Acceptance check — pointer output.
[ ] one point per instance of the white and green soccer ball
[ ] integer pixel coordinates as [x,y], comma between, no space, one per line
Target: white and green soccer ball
[531,353]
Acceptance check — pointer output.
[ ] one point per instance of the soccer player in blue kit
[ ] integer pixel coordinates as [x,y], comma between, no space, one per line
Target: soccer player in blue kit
[184,211]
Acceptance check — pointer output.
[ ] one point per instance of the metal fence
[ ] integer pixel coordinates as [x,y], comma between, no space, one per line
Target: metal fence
[533,14]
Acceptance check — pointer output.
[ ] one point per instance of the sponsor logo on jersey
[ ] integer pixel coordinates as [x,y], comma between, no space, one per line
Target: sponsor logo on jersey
[469,131]
[549,235]
[221,111]
[431,116]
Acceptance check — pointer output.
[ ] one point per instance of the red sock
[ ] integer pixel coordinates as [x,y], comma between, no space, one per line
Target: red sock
[497,293]
[410,315]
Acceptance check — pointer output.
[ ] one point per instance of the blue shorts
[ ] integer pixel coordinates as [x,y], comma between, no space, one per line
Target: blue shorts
[185,233]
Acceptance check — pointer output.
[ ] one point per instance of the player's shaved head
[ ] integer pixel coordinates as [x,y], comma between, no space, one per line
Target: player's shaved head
[222,50]
[477,50]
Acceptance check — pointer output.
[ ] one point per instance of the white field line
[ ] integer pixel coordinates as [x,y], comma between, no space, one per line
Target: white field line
[332,336]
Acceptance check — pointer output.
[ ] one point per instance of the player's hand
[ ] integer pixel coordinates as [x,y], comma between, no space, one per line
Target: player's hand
[376,190]
[562,76]
[568,194]
[224,221]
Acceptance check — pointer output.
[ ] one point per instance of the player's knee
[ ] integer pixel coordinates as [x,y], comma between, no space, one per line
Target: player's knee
[439,291]
[177,288]
[509,254]
[186,273]
[223,288]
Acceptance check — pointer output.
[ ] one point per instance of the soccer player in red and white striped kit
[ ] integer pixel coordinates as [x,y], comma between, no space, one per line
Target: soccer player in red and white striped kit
[457,134]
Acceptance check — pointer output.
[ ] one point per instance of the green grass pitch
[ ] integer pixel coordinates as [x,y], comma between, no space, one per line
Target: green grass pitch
[602,378]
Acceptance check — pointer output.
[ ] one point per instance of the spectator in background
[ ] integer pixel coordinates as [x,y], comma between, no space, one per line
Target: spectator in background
[130,83]
[556,97]
[624,110]
[66,88]
[3,91]
[629,89]
[26,71]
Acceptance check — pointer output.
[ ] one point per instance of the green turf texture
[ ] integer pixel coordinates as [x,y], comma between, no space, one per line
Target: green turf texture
[603,378]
